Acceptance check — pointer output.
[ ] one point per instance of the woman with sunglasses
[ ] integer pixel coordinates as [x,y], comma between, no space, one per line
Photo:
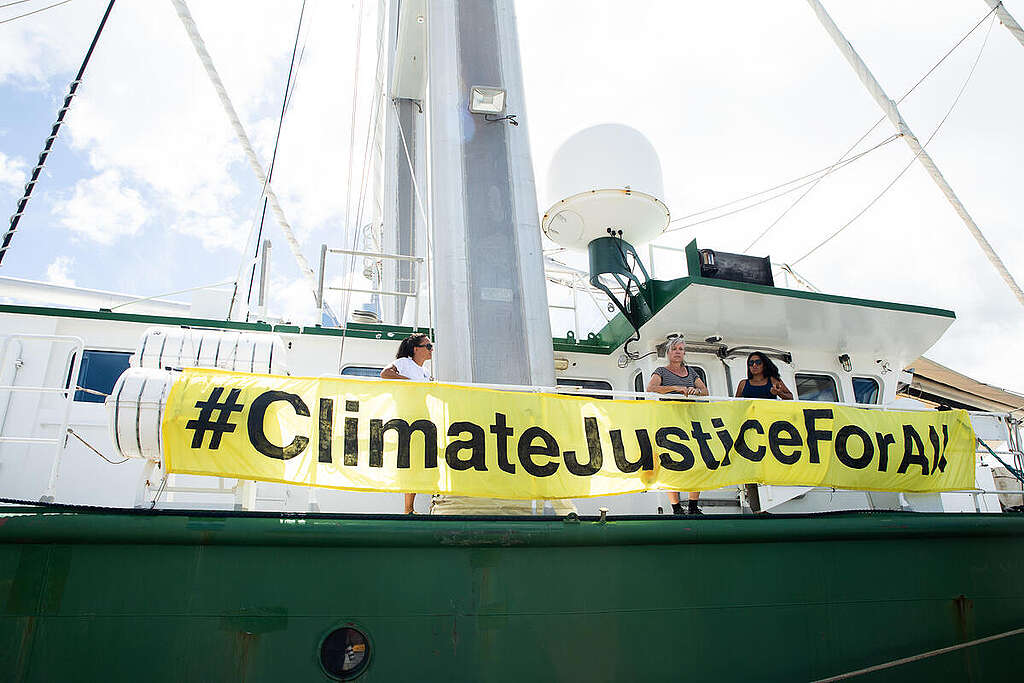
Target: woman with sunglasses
[413,352]
[762,380]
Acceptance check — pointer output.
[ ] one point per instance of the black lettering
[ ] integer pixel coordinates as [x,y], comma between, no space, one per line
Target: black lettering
[724,436]
[474,443]
[938,457]
[527,451]
[258,438]
[756,455]
[702,438]
[945,441]
[501,434]
[404,431]
[326,430]
[843,450]
[884,441]
[351,457]
[815,435]
[646,460]
[661,437]
[913,451]
[783,434]
[593,465]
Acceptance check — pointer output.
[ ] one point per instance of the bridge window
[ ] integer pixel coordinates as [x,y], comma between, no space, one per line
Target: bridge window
[98,373]
[361,371]
[865,390]
[816,387]
[586,384]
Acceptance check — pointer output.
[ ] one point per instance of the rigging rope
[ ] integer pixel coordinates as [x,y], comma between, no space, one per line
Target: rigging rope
[270,175]
[869,131]
[919,657]
[48,145]
[426,220]
[1006,20]
[354,110]
[893,114]
[830,169]
[243,139]
[355,226]
[11,4]
[28,14]
[915,158]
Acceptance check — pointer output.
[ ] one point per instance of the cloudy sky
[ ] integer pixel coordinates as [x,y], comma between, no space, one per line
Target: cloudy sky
[147,190]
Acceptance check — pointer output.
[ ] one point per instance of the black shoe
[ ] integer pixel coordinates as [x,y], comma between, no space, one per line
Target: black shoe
[677,509]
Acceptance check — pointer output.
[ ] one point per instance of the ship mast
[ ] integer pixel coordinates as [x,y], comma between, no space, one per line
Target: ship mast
[491,315]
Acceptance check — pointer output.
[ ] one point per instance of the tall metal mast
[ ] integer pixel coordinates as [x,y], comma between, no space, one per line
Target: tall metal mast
[491,318]
[892,112]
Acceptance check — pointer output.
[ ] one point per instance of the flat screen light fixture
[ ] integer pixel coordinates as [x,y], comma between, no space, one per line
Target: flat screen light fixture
[486,100]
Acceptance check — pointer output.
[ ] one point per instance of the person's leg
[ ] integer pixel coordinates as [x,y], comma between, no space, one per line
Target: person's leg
[673,499]
[410,502]
[692,509]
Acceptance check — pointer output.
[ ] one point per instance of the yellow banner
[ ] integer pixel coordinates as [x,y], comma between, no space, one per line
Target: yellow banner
[368,435]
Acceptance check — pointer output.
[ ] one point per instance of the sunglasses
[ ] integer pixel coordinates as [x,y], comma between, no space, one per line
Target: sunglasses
[428,346]
[755,362]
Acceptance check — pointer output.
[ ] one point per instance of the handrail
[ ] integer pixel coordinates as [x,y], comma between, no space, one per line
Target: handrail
[60,441]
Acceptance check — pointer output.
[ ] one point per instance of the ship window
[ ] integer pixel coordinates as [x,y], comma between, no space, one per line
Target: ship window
[865,390]
[586,384]
[816,388]
[345,653]
[700,373]
[638,385]
[361,371]
[98,373]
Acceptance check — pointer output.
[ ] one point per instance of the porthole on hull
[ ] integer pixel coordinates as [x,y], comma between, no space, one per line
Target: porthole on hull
[345,653]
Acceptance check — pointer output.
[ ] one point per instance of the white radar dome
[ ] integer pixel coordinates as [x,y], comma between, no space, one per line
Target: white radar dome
[604,177]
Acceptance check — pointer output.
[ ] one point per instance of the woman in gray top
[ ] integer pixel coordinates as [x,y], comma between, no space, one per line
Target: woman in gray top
[678,378]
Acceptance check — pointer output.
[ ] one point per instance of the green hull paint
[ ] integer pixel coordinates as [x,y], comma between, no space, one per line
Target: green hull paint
[98,596]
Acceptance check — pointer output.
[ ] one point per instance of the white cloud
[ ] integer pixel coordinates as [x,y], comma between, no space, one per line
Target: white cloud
[13,172]
[58,271]
[212,231]
[102,209]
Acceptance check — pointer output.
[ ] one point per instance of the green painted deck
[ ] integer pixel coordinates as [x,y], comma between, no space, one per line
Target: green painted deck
[176,596]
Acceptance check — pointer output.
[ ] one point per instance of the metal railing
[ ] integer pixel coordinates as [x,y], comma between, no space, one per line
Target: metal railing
[325,250]
[60,440]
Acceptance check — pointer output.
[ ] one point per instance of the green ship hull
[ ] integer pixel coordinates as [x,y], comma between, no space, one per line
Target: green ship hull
[180,596]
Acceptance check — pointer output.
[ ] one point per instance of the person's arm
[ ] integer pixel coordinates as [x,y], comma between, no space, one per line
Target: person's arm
[740,388]
[780,389]
[655,386]
[390,373]
[700,389]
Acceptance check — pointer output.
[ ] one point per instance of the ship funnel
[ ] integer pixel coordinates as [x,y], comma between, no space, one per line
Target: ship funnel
[604,178]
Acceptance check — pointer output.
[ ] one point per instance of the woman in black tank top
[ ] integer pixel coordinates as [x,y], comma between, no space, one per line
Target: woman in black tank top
[762,380]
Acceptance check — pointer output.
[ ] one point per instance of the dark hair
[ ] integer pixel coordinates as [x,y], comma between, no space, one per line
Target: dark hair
[407,348]
[770,370]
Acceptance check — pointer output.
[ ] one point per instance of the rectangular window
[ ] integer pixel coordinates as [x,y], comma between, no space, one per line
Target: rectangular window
[865,390]
[586,384]
[98,373]
[638,385]
[361,371]
[816,388]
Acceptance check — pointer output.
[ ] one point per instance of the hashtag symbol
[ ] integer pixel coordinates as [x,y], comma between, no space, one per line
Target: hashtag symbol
[205,423]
